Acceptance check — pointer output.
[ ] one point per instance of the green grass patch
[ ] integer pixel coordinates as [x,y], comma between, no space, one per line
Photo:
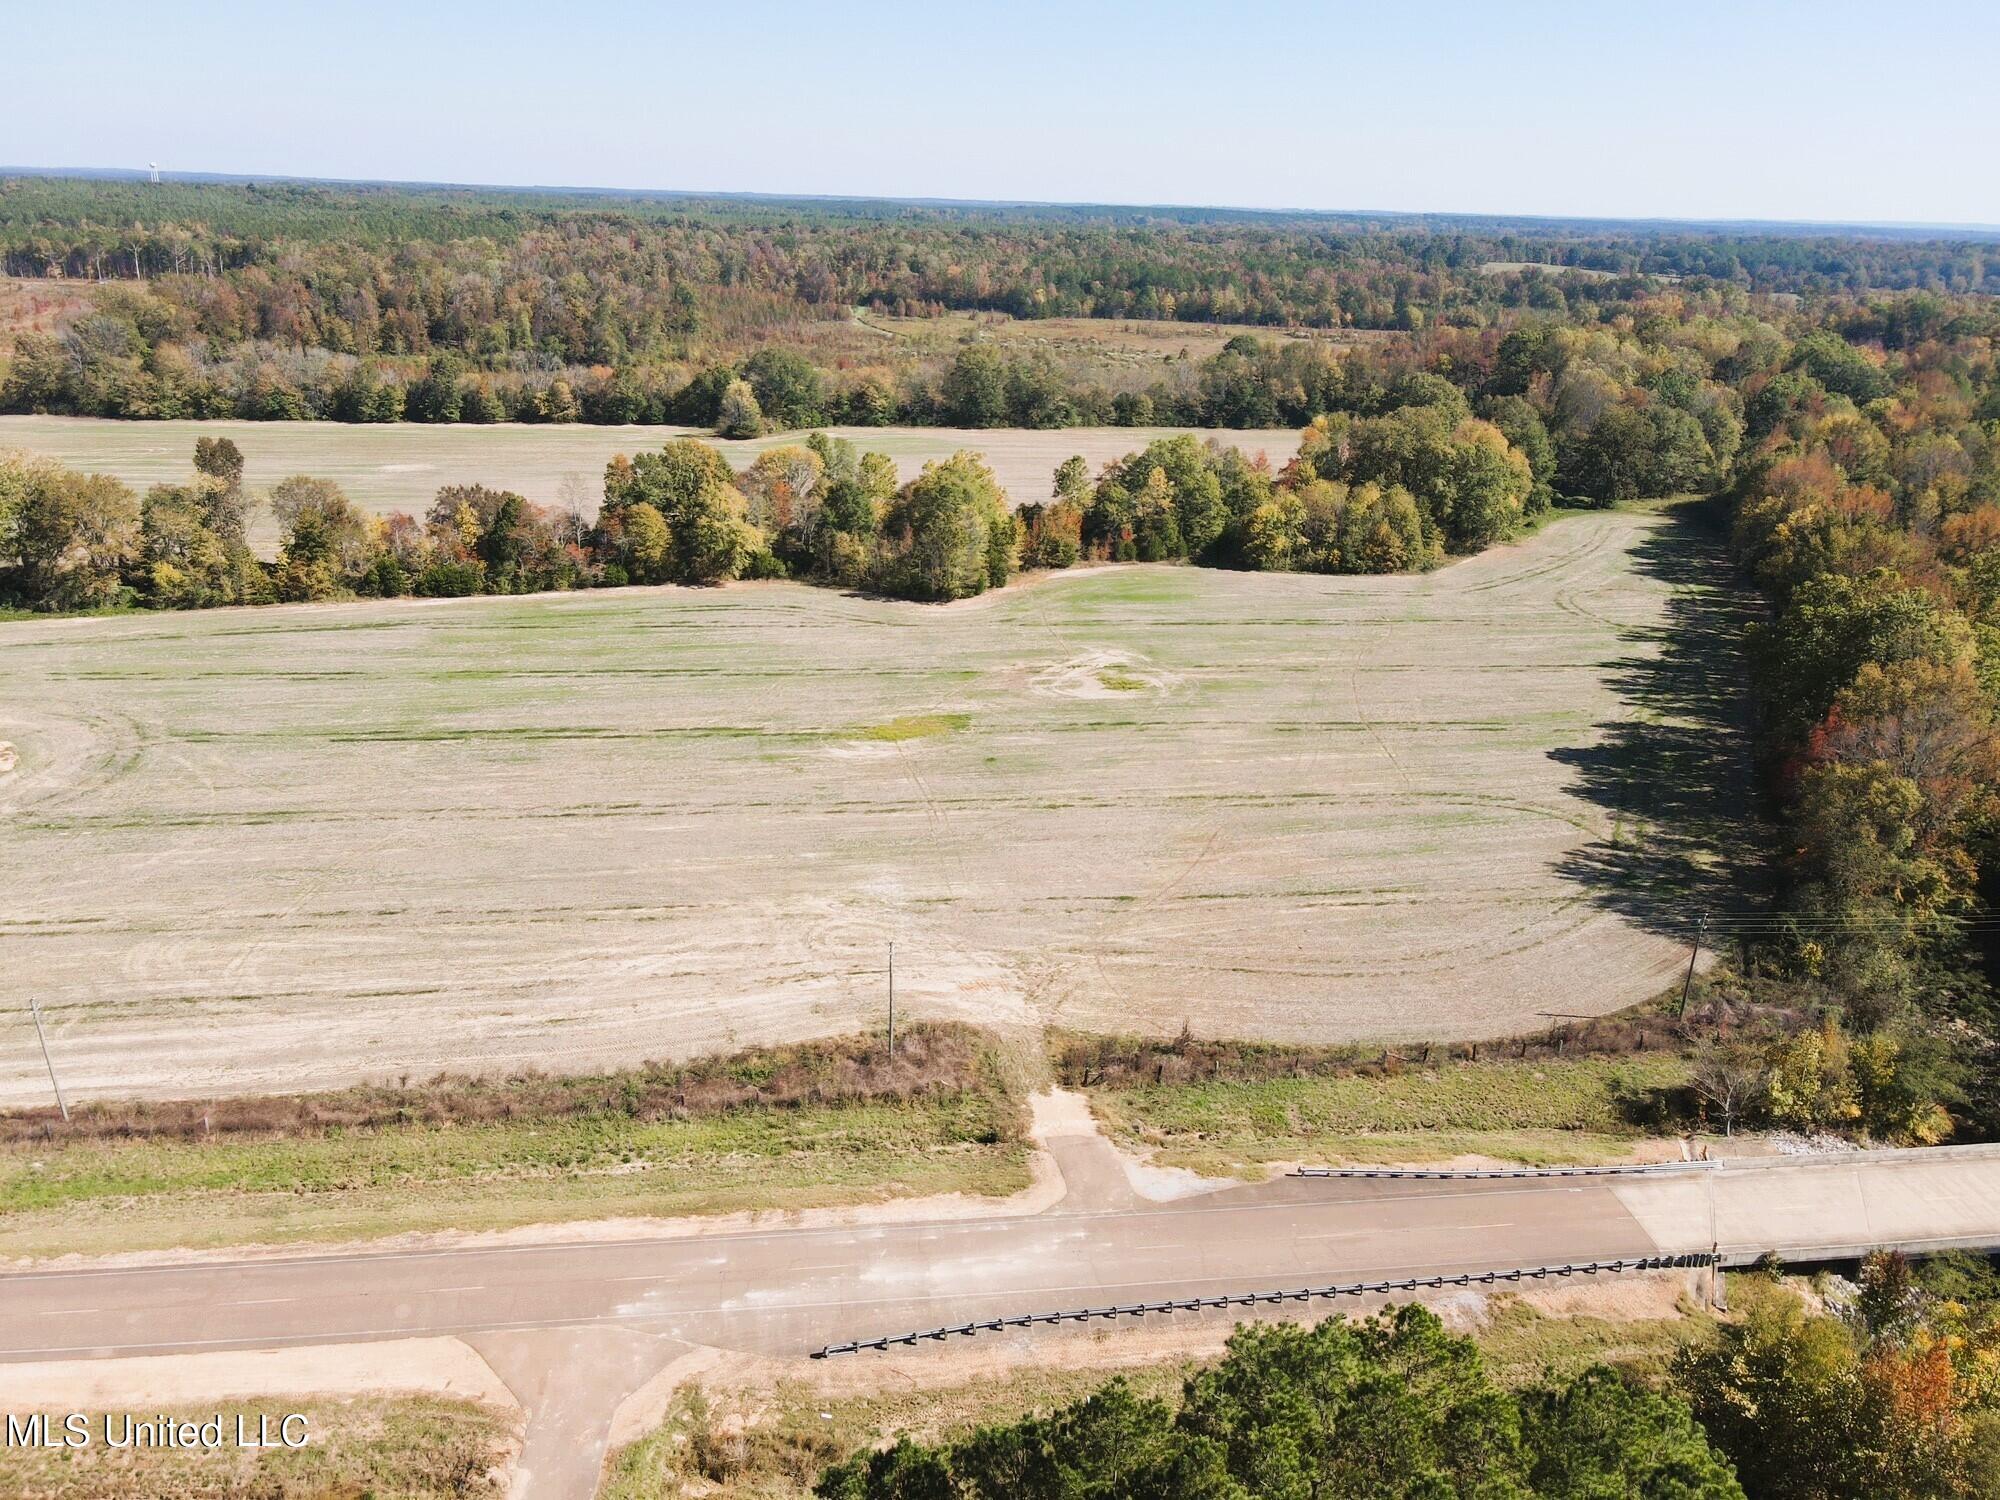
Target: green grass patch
[1522,1344]
[814,1124]
[408,1448]
[913,727]
[1121,681]
[1539,1111]
[101,1196]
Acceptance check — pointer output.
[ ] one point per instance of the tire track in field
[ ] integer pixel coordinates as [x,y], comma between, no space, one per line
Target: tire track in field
[1545,567]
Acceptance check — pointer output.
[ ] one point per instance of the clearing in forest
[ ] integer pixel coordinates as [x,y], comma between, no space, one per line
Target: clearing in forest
[284,848]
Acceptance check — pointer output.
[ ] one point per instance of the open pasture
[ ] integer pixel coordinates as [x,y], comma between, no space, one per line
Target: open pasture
[286,848]
[1104,346]
[400,466]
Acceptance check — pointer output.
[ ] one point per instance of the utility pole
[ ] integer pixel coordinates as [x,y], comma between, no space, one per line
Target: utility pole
[1687,987]
[892,1003]
[1717,1298]
[43,1037]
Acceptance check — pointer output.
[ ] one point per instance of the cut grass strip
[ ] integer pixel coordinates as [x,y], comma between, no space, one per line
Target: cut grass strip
[802,1126]
[99,1197]
[1524,1345]
[1540,1112]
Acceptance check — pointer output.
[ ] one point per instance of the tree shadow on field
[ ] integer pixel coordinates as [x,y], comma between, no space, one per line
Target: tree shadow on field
[1675,771]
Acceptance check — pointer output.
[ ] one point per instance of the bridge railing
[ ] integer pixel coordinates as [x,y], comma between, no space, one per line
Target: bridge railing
[1473,1174]
[1253,1299]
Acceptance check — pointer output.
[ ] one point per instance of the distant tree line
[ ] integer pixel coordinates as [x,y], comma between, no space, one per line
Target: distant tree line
[1387,494]
[400,269]
[71,541]
[283,303]
[1401,491]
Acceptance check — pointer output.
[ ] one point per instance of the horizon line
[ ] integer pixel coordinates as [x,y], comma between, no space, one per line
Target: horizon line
[204,176]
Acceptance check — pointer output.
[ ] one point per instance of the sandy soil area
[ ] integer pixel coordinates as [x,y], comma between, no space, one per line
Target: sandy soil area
[286,848]
[434,1366]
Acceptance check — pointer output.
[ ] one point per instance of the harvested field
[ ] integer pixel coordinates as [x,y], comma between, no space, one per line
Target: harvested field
[288,848]
[1587,273]
[401,466]
[1513,267]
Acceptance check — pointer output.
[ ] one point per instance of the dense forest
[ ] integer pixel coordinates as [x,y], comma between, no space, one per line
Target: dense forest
[367,305]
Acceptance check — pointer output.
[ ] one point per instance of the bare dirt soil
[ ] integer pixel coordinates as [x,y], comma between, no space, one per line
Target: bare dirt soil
[401,466]
[288,848]
[439,1366]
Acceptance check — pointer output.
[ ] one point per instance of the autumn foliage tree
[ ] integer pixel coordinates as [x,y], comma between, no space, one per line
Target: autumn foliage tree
[1896,1398]
[948,533]
[66,539]
[690,518]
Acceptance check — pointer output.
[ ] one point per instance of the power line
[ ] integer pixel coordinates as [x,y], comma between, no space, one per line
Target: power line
[47,1061]
[1687,986]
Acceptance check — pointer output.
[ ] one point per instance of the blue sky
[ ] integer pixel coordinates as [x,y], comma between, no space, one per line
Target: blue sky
[1827,110]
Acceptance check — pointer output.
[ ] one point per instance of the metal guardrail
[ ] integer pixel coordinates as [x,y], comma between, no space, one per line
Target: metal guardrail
[1252,1299]
[1474,1173]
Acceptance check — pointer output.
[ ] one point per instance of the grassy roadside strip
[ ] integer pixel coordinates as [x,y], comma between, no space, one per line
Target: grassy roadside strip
[409,1447]
[591,1149]
[772,1444]
[1538,1111]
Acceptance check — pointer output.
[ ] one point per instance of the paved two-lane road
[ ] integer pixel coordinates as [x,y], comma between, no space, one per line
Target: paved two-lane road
[789,1291]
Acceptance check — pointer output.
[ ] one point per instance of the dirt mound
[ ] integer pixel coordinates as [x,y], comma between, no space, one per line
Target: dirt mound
[1101,674]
